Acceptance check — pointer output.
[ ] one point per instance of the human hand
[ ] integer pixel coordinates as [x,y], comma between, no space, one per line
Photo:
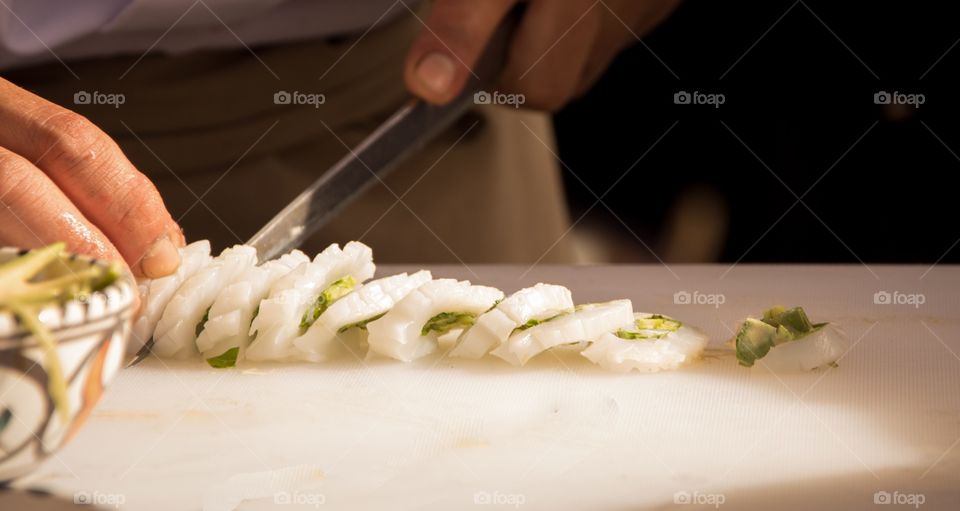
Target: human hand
[63,179]
[559,50]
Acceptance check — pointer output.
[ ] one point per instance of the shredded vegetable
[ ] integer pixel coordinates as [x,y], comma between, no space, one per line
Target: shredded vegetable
[44,277]
[446,321]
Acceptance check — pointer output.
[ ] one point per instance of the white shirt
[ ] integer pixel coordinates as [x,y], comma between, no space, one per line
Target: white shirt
[33,31]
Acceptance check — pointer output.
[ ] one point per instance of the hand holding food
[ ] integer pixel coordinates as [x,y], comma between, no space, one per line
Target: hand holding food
[63,179]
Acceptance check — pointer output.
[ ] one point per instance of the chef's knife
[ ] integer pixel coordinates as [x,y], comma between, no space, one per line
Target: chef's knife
[409,129]
[405,132]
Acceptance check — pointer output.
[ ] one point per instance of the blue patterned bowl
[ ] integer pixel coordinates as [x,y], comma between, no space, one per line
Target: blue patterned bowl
[91,337]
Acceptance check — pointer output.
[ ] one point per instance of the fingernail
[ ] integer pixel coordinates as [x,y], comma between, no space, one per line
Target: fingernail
[436,71]
[161,259]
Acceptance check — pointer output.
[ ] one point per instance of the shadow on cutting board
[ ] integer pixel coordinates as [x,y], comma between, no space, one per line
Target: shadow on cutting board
[36,500]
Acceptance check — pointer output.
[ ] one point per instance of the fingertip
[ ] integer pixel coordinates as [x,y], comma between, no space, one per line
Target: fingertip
[161,259]
[441,58]
[435,77]
[436,72]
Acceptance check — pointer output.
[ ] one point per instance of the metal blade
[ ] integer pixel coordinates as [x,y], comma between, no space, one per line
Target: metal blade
[404,133]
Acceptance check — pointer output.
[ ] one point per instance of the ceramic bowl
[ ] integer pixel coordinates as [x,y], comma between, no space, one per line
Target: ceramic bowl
[91,335]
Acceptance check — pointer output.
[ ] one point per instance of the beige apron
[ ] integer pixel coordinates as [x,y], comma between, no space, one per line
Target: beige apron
[205,128]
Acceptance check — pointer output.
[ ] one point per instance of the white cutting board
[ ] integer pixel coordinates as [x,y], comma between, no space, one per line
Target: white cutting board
[559,434]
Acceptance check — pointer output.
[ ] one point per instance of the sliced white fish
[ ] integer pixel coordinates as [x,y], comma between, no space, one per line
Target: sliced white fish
[586,323]
[176,332]
[815,350]
[654,349]
[532,304]
[228,321]
[399,334]
[366,303]
[279,318]
[156,293]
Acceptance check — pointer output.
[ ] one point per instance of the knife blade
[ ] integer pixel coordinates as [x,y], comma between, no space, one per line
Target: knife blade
[409,129]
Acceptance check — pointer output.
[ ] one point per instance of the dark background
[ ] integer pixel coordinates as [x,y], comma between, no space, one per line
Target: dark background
[799,100]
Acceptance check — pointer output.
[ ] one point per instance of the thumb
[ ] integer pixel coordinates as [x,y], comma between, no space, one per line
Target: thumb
[455,34]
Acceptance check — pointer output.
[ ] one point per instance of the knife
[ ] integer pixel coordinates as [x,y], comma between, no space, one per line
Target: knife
[409,129]
[414,125]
